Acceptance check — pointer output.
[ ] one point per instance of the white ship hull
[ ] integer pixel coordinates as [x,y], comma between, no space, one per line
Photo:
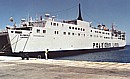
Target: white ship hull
[36,41]
[33,42]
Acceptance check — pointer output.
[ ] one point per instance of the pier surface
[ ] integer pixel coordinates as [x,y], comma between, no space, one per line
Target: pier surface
[62,69]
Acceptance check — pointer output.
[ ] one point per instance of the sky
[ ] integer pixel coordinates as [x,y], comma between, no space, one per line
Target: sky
[95,11]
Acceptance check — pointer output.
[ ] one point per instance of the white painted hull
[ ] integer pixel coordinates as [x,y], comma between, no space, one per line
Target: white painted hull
[30,41]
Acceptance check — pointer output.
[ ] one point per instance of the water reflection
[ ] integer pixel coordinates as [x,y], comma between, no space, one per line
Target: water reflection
[122,56]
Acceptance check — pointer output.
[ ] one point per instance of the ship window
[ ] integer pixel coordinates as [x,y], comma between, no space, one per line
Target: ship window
[56,32]
[69,27]
[12,31]
[83,29]
[75,28]
[57,24]
[123,35]
[96,31]
[38,30]
[18,31]
[72,33]
[24,28]
[64,33]
[54,24]
[44,31]
[72,27]
[78,28]
[123,38]
[51,23]
[91,31]
[90,35]
[68,33]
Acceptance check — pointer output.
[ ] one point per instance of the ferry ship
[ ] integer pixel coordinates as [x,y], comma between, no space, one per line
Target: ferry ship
[61,38]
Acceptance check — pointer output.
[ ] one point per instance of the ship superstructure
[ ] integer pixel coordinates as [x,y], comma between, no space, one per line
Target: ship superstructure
[62,37]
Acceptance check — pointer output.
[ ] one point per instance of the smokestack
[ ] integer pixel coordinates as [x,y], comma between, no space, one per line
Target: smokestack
[80,17]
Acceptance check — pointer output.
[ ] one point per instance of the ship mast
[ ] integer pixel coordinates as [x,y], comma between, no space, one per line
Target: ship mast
[79,17]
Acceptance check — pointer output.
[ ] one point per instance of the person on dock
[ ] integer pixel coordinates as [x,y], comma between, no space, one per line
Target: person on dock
[46,52]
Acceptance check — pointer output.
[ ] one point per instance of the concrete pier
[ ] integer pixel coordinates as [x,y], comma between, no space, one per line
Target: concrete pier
[62,69]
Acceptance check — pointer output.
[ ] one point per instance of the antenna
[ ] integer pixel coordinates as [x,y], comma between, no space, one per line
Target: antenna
[28,17]
[80,17]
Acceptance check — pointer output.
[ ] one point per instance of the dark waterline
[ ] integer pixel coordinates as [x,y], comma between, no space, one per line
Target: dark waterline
[120,56]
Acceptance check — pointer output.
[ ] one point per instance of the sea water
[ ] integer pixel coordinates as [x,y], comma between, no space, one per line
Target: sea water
[120,56]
